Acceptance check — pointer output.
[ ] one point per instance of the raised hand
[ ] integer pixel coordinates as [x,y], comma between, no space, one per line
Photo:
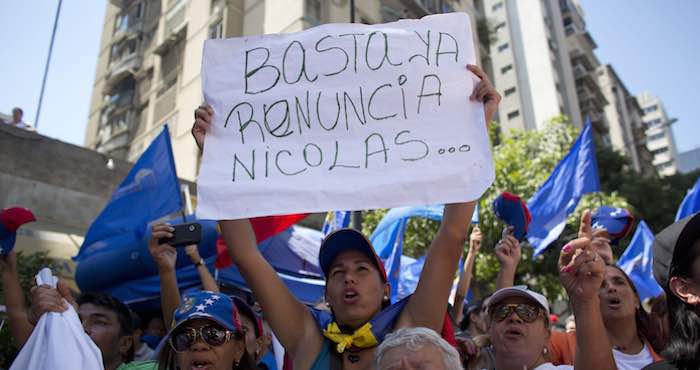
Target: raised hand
[164,255]
[475,239]
[508,251]
[485,92]
[203,116]
[47,299]
[581,270]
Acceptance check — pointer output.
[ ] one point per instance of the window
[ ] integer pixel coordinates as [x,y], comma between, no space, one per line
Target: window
[653,123]
[660,151]
[314,9]
[502,47]
[497,6]
[216,30]
[509,91]
[506,69]
[650,109]
[499,27]
[513,114]
[658,136]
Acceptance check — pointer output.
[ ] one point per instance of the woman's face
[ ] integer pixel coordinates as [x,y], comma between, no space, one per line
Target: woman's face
[354,289]
[617,299]
[522,341]
[204,356]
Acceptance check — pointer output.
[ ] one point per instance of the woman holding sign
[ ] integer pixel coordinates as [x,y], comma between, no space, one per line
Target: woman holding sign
[357,290]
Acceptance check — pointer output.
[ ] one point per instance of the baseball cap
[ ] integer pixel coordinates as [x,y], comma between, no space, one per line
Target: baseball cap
[207,305]
[513,211]
[343,240]
[519,291]
[672,245]
[616,221]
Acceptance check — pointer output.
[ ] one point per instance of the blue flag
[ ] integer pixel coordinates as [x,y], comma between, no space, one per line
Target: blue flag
[150,191]
[637,262]
[574,176]
[336,220]
[691,202]
[387,238]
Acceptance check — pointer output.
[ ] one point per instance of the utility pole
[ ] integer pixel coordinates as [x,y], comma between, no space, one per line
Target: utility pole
[48,61]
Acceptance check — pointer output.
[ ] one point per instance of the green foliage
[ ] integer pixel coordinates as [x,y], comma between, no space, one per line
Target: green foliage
[27,267]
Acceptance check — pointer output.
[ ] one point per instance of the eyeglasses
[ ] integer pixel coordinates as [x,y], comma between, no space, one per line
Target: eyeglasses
[184,338]
[526,312]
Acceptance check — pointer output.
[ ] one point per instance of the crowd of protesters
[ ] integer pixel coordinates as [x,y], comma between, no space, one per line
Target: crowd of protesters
[363,329]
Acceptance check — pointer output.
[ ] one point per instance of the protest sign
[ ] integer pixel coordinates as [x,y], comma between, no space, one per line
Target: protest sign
[343,116]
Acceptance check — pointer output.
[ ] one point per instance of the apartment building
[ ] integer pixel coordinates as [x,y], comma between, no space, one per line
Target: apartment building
[148,68]
[623,115]
[530,60]
[660,140]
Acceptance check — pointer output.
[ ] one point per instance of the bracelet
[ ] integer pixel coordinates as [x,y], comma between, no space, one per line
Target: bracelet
[200,262]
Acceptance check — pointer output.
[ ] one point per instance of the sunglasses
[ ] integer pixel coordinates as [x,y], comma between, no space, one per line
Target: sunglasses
[524,311]
[183,339]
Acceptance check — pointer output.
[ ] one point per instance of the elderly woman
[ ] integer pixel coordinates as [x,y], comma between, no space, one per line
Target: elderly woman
[677,270]
[356,283]
[207,335]
[519,329]
[416,348]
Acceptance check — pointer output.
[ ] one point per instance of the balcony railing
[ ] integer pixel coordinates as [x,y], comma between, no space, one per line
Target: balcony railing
[118,69]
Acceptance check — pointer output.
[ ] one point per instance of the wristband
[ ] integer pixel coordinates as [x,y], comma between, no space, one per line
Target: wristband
[200,262]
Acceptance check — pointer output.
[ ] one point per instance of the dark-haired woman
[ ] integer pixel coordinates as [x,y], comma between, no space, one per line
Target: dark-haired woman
[677,270]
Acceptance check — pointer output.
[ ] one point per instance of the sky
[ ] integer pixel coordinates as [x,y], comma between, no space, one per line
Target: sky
[652,44]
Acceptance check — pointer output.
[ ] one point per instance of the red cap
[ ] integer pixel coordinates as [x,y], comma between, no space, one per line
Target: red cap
[15,217]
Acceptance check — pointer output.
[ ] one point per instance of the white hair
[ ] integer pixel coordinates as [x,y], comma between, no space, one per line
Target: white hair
[414,338]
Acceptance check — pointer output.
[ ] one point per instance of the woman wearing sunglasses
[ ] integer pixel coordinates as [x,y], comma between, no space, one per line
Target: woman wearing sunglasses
[207,335]
[519,329]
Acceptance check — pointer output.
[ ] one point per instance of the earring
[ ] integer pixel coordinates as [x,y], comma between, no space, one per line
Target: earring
[386,298]
[235,364]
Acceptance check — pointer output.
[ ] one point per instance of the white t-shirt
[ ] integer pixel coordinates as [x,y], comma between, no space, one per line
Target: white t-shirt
[633,362]
[550,366]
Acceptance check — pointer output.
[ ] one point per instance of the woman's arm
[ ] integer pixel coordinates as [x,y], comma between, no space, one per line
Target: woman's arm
[581,273]
[424,308]
[20,328]
[465,279]
[165,256]
[208,282]
[290,320]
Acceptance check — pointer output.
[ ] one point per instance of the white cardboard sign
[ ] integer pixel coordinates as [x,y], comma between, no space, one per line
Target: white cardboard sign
[343,117]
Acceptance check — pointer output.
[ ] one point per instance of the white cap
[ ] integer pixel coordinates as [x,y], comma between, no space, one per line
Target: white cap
[519,291]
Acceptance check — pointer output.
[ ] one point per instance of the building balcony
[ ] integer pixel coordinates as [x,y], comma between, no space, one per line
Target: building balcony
[175,27]
[119,69]
[131,30]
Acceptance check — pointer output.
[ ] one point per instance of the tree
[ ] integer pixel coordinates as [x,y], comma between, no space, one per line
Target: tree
[27,266]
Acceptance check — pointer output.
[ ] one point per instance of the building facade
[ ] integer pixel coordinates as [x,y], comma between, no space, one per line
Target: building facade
[623,116]
[530,62]
[148,69]
[660,140]
[689,161]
